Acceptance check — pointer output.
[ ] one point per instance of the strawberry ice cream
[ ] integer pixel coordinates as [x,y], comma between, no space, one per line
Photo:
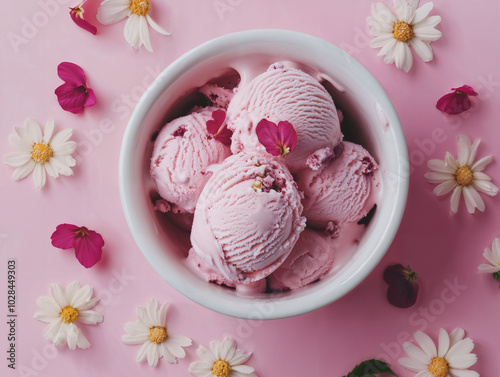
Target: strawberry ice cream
[248,217]
[343,190]
[284,94]
[183,151]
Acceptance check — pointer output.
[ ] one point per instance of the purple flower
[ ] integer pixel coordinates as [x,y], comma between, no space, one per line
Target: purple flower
[87,243]
[218,128]
[403,286]
[456,102]
[278,140]
[76,14]
[73,95]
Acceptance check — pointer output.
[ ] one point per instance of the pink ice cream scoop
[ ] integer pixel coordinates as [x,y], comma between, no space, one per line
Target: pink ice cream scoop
[311,258]
[248,218]
[284,94]
[182,153]
[343,190]
[211,275]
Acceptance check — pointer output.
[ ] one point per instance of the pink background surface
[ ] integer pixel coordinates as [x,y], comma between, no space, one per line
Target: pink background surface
[445,251]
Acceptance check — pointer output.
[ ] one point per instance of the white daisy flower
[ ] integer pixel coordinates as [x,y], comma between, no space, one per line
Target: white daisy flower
[40,153]
[493,257]
[136,28]
[394,34]
[223,359]
[452,358]
[63,309]
[150,330]
[463,175]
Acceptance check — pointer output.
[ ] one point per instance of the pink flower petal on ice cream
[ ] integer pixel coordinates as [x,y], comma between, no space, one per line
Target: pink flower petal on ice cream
[76,14]
[278,140]
[288,136]
[218,128]
[456,102]
[90,101]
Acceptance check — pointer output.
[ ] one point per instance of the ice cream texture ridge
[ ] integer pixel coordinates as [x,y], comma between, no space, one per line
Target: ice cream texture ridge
[262,222]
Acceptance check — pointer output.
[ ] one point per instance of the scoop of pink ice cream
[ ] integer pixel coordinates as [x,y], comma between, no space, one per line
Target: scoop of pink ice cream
[284,94]
[343,190]
[183,151]
[311,258]
[248,217]
[211,275]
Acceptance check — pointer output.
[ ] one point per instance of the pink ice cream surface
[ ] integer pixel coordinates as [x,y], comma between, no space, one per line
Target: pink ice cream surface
[217,95]
[342,191]
[211,275]
[284,94]
[248,217]
[182,153]
[311,258]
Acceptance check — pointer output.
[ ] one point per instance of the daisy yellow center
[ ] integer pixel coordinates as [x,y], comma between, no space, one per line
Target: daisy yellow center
[69,314]
[464,176]
[221,368]
[439,367]
[157,334]
[41,153]
[402,31]
[140,7]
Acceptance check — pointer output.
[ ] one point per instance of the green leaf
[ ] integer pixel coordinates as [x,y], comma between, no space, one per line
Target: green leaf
[370,368]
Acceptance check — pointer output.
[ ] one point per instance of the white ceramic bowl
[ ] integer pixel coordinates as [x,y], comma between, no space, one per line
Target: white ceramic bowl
[373,123]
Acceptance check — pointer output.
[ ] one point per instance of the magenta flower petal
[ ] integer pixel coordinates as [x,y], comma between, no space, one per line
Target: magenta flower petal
[279,140]
[288,136]
[76,14]
[73,95]
[456,102]
[466,89]
[403,286]
[90,101]
[218,128]
[64,236]
[88,248]
[268,135]
[72,98]
[71,74]
[87,243]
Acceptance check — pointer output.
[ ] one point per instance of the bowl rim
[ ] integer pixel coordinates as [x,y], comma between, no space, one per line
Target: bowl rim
[224,303]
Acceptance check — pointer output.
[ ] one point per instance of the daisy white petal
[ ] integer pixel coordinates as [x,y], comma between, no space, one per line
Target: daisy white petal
[445,188]
[459,349]
[144,33]
[23,171]
[20,143]
[404,58]
[426,343]
[487,269]
[416,353]
[57,308]
[455,199]
[427,23]
[480,176]
[481,164]
[112,11]
[153,356]
[89,304]
[439,166]
[381,40]
[451,162]
[243,369]
[474,198]
[424,373]
[39,176]
[16,159]
[135,339]
[34,130]
[61,137]
[131,31]
[169,357]
[81,296]
[422,49]
[463,373]
[422,12]
[443,343]
[411,364]
[47,132]
[90,317]
[493,258]
[485,187]
[456,336]
[143,352]
[389,50]
[464,148]
[155,26]
[427,33]
[175,349]
[206,354]
[51,171]
[464,362]
[438,177]
[64,148]
[473,152]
